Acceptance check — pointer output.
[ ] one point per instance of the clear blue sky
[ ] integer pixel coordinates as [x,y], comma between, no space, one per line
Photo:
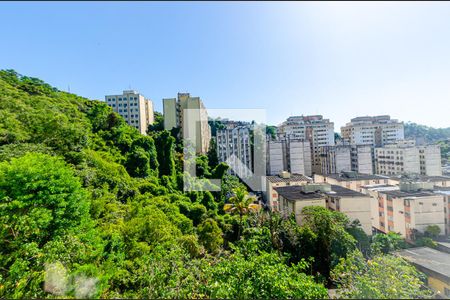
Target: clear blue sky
[340,60]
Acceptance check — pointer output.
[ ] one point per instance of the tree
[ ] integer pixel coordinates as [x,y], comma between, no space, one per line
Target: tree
[165,151]
[386,243]
[383,277]
[432,231]
[240,203]
[158,123]
[210,235]
[332,240]
[213,160]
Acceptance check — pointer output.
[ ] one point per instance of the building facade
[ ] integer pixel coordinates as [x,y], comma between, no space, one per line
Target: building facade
[413,207]
[374,131]
[174,117]
[405,157]
[233,147]
[335,159]
[134,108]
[288,154]
[316,130]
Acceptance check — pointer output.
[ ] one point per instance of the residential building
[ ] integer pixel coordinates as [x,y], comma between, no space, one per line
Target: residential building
[445,191]
[374,131]
[438,181]
[134,108]
[283,179]
[316,130]
[413,207]
[335,159]
[361,159]
[434,264]
[233,147]
[405,157]
[292,199]
[288,154]
[174,117]
[351,180]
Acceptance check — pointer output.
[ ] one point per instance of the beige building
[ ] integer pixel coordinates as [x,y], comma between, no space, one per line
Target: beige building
[292,199]
[362,159]
[445,191]
[374,131]
[316,130]
[174,116]
[134,108]
[434,264]
[351,180]
[405,157]
[413,206]
[438,181]
[335,159]
[283,179]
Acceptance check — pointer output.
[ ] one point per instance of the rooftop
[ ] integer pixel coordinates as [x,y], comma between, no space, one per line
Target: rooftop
[294,177]
[380,187]
[420,178]
[337,190]
[428,259]
[295,192]
[352,176]
[401,194]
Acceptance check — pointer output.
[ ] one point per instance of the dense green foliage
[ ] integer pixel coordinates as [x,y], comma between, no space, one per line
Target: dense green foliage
[91,208]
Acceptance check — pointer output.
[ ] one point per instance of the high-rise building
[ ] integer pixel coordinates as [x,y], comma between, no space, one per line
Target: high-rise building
[316,130]
[134,108]
[174,116]
[233,147]
[335,159]
[375,131]
[407,158]
[288,154]
[362,159]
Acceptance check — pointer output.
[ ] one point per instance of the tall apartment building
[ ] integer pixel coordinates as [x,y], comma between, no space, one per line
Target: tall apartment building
[288,154]
[413,207]
[375,131]
[174,116]
[345,158]
[233,147]
[405,157]
[134,108]
[319,132]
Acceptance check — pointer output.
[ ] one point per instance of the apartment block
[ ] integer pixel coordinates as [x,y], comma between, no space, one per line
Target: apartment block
[335,159]
[375,131]
[438,181]
[413,207]
[174,116]
[445,191]
[319,132]
[134,108]
[292,199]
[288,154]
[351,180]
[283,179]
[405,157]
[361,159]
[233,147]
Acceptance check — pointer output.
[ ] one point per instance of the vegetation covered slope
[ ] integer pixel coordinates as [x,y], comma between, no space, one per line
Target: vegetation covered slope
[91,208]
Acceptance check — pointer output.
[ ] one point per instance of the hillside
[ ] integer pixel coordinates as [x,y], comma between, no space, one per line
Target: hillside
[91,208]
[425,134]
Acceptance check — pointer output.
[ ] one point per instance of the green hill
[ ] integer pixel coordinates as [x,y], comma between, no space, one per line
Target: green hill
[91,208]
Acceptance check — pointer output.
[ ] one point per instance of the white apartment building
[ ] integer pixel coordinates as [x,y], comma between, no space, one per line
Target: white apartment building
[351,180]
[233,147]
[319,132]
[375,131]
[174,110]
[288,154]
[335,159]
[134,108]
[361,159]
[406,158]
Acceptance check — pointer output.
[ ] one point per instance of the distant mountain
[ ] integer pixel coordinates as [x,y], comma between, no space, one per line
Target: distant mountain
[425,133]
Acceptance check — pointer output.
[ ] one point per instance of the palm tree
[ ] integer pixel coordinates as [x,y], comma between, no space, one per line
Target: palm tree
[241,203]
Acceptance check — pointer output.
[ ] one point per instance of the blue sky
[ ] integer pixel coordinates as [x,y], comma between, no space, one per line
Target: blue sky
[340,60]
